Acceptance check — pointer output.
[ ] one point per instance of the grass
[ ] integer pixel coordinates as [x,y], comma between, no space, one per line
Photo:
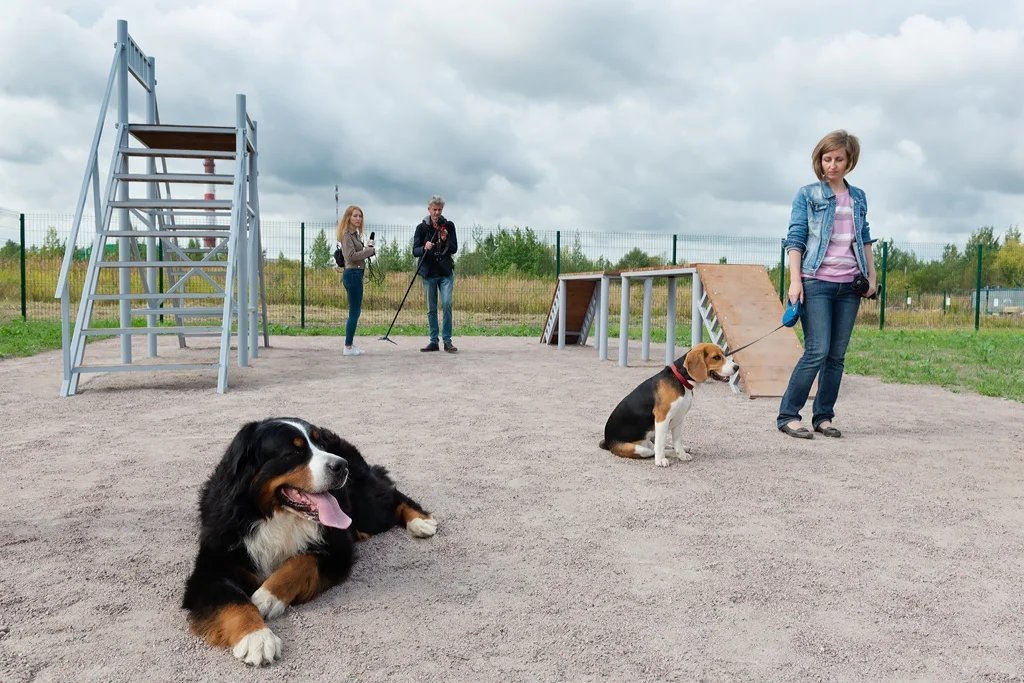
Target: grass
[990,362]
[18,338]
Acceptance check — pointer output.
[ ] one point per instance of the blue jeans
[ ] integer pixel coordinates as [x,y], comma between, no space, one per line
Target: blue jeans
[827,316]
[352,278]
[446,285]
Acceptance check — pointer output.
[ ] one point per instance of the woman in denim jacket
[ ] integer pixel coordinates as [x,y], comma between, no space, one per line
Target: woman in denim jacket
[828,246]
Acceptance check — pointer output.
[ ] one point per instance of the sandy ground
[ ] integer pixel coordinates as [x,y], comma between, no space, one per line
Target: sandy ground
[895,552]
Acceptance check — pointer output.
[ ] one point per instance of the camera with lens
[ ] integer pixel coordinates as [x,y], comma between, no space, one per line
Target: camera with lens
[861,286]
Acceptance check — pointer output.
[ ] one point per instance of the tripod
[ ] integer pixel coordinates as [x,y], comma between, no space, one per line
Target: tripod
[415,272]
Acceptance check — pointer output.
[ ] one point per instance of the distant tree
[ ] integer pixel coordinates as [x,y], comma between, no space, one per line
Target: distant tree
[10,251]
[636,258]
[1009,262]
[320,256]
[575,261]
[52,246]
[394,257]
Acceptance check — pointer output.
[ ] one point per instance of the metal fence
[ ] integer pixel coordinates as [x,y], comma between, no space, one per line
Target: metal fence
[506,275]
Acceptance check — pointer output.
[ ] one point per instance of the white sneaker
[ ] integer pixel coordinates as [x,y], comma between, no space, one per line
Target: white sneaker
[354,351]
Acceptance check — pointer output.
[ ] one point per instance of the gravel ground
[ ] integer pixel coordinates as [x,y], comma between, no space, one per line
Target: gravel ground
[892,553]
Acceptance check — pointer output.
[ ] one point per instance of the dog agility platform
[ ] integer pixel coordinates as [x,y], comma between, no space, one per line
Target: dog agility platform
[747,306]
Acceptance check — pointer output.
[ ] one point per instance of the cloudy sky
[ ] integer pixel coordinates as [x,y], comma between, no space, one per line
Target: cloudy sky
[659,116]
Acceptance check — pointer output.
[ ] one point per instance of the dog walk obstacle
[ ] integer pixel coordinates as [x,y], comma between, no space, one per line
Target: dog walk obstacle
[209,250]
[733,303]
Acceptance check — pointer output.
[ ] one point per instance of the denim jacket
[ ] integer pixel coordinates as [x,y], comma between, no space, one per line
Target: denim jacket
[811,220]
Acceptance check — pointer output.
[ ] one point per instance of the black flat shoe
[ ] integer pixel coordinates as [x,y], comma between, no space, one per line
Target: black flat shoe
[828,431]
[801,433]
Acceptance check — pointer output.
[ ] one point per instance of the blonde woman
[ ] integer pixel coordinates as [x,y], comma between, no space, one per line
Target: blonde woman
[350,241]
[828,246]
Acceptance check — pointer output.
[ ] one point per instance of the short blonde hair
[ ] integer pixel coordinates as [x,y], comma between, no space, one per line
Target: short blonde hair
[837,139]
[345,224]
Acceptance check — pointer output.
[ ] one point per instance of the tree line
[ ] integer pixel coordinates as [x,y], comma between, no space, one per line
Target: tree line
[519,252]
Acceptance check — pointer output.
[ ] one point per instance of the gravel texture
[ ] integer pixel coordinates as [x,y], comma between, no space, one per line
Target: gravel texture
[894,552]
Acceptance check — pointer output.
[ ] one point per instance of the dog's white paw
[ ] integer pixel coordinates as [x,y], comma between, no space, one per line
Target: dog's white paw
[685,456]
[661,462]
[422,527]
[643,451]
[267,603]
[258,648]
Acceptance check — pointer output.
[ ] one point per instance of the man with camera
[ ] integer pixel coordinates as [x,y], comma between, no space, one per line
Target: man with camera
[434,244]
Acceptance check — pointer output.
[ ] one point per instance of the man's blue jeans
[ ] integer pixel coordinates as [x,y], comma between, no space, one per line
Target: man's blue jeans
[352,278]
[827,316]
[431,286]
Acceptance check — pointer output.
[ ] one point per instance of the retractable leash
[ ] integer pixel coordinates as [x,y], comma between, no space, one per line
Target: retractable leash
[789,318]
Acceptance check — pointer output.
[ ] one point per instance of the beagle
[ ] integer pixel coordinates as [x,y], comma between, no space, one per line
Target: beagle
[660,403]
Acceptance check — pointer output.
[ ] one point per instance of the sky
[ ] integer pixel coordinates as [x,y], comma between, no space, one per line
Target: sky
[695,118]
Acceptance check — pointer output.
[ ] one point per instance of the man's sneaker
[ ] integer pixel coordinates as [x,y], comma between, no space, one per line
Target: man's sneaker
[432,346]
[354,351]
[449,347]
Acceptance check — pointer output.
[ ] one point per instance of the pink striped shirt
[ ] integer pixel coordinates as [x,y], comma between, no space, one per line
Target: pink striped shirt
[840,263]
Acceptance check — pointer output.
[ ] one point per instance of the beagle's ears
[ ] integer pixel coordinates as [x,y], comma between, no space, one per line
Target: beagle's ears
[696,365]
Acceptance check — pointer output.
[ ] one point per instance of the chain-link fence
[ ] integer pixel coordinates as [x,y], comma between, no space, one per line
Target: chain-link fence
[505,276]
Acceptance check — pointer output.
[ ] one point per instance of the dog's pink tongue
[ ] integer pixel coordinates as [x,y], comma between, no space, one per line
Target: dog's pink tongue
[329,511]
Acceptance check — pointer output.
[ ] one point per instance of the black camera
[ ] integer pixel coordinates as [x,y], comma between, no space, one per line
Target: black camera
[861,286]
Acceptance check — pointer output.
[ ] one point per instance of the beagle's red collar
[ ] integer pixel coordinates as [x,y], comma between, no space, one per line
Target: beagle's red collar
[679,376]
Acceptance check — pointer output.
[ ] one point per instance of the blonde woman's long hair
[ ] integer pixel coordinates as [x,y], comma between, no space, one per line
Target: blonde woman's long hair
[345,224]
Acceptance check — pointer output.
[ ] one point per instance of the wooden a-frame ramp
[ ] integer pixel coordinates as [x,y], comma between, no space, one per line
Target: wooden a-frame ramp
[747,306]
[738,305]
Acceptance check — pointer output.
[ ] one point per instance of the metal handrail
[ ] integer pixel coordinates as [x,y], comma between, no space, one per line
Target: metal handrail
[90,171]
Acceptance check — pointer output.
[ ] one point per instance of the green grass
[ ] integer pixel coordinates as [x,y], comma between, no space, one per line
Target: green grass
[990,362]
[18,338]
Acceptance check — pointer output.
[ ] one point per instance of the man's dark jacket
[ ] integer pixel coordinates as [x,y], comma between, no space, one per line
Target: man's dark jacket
[437,262]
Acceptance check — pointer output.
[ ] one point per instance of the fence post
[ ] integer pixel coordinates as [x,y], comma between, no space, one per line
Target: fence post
[24,283]
[558,253]
[944,302]
[160,272]
[885,290]
[782,271]
[977,291]
[302,274]
[675,241]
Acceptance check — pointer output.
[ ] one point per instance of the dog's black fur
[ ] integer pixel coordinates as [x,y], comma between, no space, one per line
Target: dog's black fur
[235,501]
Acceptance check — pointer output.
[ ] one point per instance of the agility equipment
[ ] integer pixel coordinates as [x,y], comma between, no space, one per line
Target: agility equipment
[733,304]
[209,249]
[739,304]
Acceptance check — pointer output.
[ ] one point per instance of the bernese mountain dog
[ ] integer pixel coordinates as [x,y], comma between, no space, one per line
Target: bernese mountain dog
[279,519]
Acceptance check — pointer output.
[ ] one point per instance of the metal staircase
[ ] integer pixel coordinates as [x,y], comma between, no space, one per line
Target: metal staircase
[214,289]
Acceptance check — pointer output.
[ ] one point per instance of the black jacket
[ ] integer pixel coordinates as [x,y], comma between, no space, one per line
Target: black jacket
[437,262]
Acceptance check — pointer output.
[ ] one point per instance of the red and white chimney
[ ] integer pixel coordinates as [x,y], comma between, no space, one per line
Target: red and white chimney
[211,193]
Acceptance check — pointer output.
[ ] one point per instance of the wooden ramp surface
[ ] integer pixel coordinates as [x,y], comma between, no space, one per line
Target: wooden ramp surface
[748,306]
[578,294]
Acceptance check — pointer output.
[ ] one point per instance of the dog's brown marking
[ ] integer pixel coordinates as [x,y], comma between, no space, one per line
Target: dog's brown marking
[228,625]
[363,536]
[300,478]
[299,442]
[407,513]
[296,581]
[624,450]
[696,364]
[665,392]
